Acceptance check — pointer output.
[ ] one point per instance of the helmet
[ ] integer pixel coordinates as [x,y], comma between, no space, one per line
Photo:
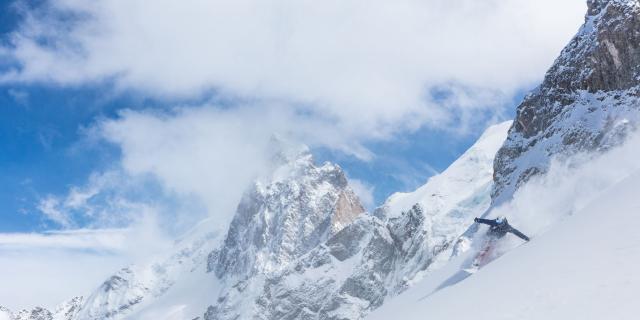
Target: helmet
[501,219]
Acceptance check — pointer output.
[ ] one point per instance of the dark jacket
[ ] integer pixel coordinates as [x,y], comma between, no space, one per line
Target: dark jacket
[499,230]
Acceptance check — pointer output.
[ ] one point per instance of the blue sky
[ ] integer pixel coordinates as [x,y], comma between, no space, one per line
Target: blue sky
[390,118]
[44,150]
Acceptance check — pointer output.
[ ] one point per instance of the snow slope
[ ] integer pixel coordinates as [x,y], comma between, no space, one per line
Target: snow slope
[584,266]
[137,288]
[443,192]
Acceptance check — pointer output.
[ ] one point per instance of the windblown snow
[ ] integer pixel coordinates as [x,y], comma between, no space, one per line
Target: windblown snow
[580,264]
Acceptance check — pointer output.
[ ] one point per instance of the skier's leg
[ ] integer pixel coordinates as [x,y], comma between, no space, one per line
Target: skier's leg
[484,255]
[481,254]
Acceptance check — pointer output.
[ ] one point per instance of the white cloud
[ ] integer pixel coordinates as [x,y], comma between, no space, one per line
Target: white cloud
[49,208]
[106,240]
[209,154]
[368,65]
[117,198]
[570,185]
[330,73]
[48,268]
[364,191]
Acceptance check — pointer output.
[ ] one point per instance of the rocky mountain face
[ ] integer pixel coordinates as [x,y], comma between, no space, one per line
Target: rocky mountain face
[589,99]
[299,207]
[355,269]
[301,246]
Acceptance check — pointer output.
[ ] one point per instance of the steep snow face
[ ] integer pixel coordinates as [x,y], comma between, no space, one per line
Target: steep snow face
[376,256]
[582,267]
[462,185]
[450,200]
[285,215]
[589,99]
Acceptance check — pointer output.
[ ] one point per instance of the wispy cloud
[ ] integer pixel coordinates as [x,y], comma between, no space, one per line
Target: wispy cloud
[19,96]
[329,73]
[364,191]
[99,240]
[570,185]
[369,65]
[49,268]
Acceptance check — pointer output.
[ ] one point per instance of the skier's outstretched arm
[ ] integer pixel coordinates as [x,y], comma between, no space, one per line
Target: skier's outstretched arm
[519,234]
[486,221]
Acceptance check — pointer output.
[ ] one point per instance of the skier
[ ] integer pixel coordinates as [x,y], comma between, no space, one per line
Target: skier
[498,228]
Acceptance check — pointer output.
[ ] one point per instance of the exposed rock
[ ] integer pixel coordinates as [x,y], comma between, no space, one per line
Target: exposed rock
[589,99]
[375,257]
[299,207]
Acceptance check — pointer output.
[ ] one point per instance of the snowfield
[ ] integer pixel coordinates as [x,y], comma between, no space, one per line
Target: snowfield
[581,263]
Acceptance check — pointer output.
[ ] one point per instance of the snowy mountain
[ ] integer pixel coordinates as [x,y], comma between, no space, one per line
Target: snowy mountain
[65,311]
[379,256]
[357,268]
[588,101]
[301,246]
[134,289]
[567,173]
[584,266]
[298,207]
[286,213]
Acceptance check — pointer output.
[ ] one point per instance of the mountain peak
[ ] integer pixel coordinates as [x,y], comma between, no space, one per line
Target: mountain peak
[281,150]
[286,214]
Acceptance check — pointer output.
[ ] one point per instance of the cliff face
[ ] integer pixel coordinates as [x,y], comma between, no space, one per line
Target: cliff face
[588,101]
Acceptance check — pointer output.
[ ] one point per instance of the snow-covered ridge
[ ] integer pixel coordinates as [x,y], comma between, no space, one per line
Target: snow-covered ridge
[470,172]
[301,245]
[300,206]
[375,257]
[65,311]
[582,265]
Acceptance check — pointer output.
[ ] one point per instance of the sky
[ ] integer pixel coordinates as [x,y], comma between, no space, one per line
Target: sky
[117,115]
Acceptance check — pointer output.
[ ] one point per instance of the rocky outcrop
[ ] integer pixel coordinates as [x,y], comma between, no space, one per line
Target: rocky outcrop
[284,216]
[298,207]
[589,99]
